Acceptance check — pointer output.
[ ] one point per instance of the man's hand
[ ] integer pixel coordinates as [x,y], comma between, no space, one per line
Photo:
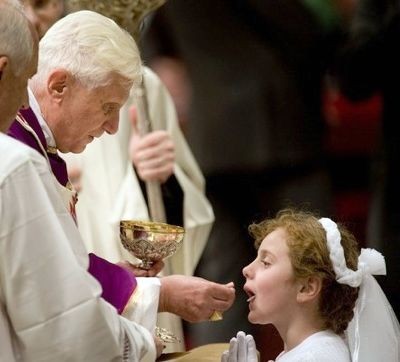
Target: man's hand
[242,348]
[194,299]
[139,272]
[153,154]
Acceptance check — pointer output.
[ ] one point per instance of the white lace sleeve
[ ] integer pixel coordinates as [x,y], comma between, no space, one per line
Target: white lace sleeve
[138,343]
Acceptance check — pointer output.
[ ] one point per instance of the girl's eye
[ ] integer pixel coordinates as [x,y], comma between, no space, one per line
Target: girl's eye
[266,263]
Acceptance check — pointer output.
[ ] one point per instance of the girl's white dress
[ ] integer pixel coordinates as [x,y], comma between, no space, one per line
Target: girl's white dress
[324,346]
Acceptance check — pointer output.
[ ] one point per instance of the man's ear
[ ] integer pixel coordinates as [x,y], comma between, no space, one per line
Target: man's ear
[3,64]
[309,289]
[58,83]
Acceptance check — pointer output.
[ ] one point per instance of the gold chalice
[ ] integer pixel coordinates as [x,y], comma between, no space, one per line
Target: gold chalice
[150,241]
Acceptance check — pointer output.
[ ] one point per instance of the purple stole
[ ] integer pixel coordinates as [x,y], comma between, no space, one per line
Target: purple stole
[117,283]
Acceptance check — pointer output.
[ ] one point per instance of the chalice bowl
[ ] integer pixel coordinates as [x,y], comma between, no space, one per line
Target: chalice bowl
[150,241]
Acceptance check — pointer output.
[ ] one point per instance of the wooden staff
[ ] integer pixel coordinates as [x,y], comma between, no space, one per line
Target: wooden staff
[153,188]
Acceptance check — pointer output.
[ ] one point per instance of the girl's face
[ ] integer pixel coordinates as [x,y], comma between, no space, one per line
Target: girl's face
[270,282]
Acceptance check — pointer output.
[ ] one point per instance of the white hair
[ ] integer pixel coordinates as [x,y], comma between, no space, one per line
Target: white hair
[16,41]
[91,47]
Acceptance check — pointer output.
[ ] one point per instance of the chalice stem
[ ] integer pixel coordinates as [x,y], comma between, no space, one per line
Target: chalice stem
[146,264]
[153,188]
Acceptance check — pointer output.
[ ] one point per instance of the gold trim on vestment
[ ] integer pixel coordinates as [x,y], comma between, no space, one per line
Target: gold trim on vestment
[52,150]
[133,299]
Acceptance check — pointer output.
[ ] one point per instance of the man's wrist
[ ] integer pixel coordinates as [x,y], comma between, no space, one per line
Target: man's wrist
[162,302]
[168,288]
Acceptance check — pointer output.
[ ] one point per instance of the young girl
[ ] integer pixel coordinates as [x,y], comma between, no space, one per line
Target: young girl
[310,282]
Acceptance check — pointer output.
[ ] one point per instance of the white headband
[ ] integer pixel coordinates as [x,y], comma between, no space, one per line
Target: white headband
[370,261]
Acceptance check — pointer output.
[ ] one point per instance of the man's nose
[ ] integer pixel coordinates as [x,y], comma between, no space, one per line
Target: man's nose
[111,126]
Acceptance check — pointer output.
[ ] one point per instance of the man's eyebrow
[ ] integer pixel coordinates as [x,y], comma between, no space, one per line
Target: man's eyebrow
[110,104]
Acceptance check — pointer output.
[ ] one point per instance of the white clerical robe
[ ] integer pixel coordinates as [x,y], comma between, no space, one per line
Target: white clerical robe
[50,306]
[324,346]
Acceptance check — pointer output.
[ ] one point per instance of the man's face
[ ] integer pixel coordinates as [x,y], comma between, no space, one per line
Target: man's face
[85,114]
[43,13]
[13,90]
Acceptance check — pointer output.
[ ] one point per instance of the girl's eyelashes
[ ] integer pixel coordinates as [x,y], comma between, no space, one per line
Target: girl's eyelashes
[266,262]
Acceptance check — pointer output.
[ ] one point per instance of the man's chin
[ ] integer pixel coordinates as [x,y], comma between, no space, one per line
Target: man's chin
[79,149]
[73,149]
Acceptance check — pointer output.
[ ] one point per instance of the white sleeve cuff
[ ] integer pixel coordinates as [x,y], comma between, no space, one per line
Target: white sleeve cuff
[142,307]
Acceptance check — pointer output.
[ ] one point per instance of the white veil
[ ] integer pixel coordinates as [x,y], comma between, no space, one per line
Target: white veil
[373,335]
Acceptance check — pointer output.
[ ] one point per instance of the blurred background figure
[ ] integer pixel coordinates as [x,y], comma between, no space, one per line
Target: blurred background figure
[254,72]
[43,13]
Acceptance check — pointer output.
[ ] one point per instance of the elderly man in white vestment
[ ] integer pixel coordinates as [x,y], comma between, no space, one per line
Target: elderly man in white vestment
[50,306]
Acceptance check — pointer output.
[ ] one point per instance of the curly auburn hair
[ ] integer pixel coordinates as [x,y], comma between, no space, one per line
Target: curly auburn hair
[309,254]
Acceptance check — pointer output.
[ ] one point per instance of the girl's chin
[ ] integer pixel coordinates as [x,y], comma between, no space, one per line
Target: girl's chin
[252,318]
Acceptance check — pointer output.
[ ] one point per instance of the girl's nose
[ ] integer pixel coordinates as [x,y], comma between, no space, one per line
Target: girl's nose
[246,270]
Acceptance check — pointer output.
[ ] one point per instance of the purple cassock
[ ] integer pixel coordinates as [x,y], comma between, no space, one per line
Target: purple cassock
[118,284]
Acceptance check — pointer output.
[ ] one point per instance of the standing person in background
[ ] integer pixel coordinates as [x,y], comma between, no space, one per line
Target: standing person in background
[255,124]
[369,62]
